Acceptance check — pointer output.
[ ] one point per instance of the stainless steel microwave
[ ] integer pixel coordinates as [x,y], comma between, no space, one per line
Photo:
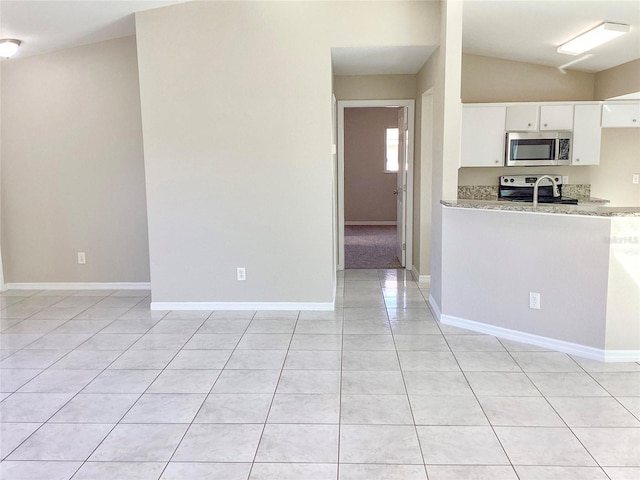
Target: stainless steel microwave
[538,148]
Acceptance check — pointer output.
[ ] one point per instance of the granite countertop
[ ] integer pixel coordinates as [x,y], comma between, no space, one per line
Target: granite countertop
[591,200]
[588,206]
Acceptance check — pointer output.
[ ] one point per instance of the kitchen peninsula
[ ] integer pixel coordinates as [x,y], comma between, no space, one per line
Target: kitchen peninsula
[593,207]
[582,260]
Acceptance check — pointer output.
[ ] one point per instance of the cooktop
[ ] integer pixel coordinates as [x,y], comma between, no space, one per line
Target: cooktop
[519,188]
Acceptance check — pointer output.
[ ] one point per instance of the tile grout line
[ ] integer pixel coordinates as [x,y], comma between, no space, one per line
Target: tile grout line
[190,424]
[406,390]
[475,396]
[340,385]
[273,395]
[49,367]
[551,406]
[141,394]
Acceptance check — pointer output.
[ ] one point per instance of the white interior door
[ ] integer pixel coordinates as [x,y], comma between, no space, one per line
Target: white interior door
[401,188]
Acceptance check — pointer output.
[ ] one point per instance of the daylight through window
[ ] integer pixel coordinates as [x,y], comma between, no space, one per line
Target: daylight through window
[391,151]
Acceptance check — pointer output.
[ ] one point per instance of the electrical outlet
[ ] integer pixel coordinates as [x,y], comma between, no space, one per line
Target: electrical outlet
[241,274]
[534,300]
[565,179]
[82,259]
[636,178]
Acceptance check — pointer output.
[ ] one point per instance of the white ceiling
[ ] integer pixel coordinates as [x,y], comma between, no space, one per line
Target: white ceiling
[531,30]
[46,26]
[522,30]
[379,60]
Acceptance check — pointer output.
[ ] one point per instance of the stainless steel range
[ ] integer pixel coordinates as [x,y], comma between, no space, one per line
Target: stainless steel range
[520,188]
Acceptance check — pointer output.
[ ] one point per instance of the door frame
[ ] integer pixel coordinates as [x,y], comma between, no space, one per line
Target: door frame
[410,104]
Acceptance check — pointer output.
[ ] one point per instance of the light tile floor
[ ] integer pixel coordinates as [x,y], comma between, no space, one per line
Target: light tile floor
[93,385]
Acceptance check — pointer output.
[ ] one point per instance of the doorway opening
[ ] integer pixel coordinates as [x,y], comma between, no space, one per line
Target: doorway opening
[375,180]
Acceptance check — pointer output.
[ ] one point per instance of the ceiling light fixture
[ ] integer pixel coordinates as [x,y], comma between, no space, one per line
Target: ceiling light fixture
[593,38]
[8,47]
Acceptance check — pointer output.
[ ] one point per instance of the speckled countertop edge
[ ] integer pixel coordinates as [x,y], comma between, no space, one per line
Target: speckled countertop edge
[594,200]
[592,209]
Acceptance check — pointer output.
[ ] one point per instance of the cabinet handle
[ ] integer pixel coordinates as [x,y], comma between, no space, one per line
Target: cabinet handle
[528,124]
[577,159]
[546,124]
[634,120]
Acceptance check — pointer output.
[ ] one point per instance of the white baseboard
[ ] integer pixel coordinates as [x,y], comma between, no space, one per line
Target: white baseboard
[242,306]
[545,342]
[370,222]
[435,308]
[622,355]
[78,286]
[422,279]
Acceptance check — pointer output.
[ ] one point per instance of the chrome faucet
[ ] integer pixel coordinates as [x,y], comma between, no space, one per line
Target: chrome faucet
[556,192]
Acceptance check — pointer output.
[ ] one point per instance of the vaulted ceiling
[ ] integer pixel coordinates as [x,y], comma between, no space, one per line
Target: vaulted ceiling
[522,30]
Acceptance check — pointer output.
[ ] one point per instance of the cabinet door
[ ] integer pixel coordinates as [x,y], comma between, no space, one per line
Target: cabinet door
[623,115]
[522,118]
[586,135]
[482,136]
[556,117]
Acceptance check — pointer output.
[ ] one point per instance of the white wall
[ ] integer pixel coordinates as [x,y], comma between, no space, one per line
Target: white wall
[72,166]
[375,87]
[447,113]
[422,189]
[493,259]
[2,287]
[486,79]
[619,161]
[617,81]
[623,287]
[585,268]
[236,109]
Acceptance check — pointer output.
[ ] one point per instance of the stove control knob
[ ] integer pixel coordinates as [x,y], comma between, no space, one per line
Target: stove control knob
[512,180]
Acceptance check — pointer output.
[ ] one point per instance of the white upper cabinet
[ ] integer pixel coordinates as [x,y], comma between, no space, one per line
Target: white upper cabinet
[533,117]
[482,136]
[522,118]
[484,127]
[621,115]
[556,117]
[586,135]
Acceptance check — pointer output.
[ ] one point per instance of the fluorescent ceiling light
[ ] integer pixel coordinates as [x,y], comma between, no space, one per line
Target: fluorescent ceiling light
[8,47]
[594,37]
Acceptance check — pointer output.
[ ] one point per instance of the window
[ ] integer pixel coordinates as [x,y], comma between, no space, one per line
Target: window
[391,150]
